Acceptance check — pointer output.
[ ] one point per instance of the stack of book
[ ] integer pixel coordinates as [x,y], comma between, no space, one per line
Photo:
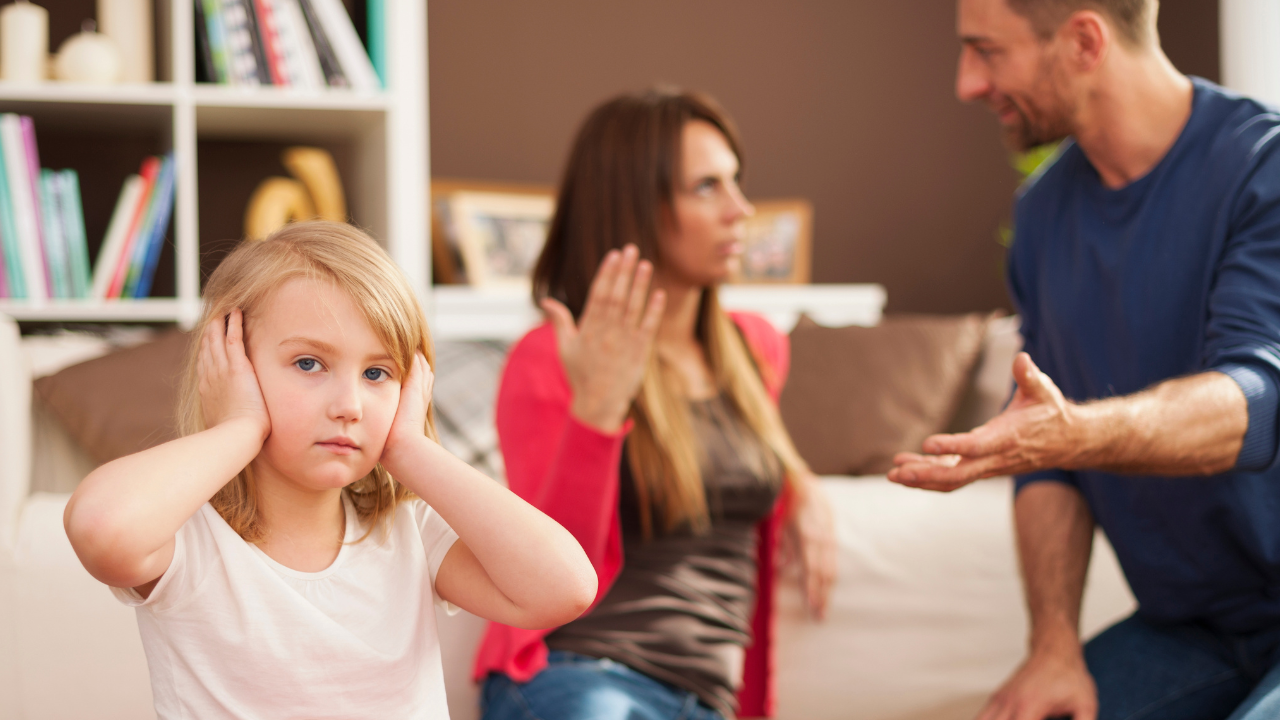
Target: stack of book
[127,261]
[42,244]
[308,44]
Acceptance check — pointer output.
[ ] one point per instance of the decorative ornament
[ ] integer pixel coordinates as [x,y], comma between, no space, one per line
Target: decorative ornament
[88,57]
[24,42]
[315,192]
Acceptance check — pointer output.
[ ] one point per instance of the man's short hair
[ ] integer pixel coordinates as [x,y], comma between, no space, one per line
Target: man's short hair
[1132,18]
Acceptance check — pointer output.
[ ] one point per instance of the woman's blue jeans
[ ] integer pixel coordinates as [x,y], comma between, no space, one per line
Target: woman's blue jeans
[1184,672]
[577,687]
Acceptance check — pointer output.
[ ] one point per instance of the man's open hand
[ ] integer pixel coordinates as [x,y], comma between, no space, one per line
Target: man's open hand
[1040,429]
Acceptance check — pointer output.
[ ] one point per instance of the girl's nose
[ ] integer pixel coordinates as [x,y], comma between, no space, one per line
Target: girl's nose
[345,404]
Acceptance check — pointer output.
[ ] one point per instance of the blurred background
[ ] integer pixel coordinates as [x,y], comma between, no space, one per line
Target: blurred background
[848,104]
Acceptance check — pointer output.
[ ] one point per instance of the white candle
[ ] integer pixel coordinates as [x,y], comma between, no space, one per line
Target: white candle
[128,24]
[24,42]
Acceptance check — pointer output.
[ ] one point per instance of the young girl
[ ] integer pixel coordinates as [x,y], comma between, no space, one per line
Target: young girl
[284,555]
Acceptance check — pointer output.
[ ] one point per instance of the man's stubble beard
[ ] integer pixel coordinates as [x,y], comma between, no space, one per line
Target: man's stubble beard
[1042,120]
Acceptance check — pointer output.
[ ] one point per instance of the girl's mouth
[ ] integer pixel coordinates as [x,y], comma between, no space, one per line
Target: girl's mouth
[339,445]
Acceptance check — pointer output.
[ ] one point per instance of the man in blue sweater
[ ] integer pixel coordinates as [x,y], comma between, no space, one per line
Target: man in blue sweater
[1146,268]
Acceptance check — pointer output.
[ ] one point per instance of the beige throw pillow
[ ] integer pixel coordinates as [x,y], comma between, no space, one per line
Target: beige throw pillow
[119,403]
[858,395]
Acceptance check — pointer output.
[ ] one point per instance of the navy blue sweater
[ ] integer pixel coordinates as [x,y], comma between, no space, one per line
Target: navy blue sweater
[1177,273]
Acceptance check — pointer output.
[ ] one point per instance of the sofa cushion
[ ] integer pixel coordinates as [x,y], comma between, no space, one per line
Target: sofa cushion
[992,381]
[465,391]
[119,403]
[858,395]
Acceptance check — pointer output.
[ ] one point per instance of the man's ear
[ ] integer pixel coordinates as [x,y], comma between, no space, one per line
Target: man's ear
[1087,38]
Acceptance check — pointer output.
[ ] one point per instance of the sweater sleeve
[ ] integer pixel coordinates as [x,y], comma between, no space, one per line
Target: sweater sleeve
[1020,279]
[559,465]
[1242,338]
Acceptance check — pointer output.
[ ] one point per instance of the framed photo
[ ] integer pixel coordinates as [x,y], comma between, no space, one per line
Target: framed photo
[777,243]
[493,238]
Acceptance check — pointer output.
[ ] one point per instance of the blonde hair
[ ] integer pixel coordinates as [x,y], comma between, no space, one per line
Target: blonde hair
[246,279]
[663,450]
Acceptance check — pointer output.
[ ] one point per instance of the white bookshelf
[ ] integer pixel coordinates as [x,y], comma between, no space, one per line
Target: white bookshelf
[386,184]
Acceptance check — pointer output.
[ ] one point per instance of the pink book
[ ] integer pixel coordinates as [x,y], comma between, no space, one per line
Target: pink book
[150,169]
[33,169]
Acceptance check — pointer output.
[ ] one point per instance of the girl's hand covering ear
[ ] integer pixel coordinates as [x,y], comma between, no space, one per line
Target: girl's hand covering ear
[228,385]
[410,423]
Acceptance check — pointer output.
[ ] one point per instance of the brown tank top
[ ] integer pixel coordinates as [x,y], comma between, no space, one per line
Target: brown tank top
[680,609]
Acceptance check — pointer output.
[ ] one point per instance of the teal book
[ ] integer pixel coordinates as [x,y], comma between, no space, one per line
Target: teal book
[217,39]
[376,21]
[73,227]
[9,236]
[54,247]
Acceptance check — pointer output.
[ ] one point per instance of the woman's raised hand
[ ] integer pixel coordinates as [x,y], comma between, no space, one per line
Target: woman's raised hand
[605,353]
[228,385]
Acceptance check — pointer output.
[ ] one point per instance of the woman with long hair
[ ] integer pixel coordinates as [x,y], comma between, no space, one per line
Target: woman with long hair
[643,418]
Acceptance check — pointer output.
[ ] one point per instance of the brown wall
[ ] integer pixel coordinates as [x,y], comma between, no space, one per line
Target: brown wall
[848,103]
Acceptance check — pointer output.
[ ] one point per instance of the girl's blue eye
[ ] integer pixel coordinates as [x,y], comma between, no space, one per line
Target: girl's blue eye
[374,374]
[306,364]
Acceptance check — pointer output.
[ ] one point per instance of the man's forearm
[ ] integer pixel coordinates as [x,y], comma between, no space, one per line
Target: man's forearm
[1055,539]
[1187,426]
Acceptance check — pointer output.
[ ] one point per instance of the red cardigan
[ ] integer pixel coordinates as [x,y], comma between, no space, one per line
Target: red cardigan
[570,471]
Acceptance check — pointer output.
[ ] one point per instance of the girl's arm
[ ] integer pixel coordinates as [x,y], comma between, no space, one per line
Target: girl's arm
[123,517]
[512,564]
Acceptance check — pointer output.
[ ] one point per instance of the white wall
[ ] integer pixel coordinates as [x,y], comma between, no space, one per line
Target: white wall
[1251,47]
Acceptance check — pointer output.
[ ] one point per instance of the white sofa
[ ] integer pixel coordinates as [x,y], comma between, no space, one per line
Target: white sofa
[925,621]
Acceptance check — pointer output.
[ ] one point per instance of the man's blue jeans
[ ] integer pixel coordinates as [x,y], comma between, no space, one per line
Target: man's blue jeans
[576,687]
[1184,672]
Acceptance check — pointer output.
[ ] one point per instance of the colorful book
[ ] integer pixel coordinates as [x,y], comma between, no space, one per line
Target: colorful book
[242,64]
[117,231]
[206,72]
[153,230]
[55,253]
[73,226]
[268,30]
[351,54]
[212,10]
[25,208]
[376,20]
[157,239]
[33,175]
[149,172]
[333,71]
[14,273]
[301,62]
[4,273]
[256,43]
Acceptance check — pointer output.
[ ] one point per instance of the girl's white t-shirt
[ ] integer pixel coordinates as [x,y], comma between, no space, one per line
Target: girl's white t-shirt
[231,633]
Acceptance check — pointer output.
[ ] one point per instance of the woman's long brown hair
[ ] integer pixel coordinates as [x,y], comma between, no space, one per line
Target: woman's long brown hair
[618,188]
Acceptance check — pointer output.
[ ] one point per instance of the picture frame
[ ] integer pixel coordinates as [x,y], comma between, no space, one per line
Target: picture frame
[488,234]
[777,243]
